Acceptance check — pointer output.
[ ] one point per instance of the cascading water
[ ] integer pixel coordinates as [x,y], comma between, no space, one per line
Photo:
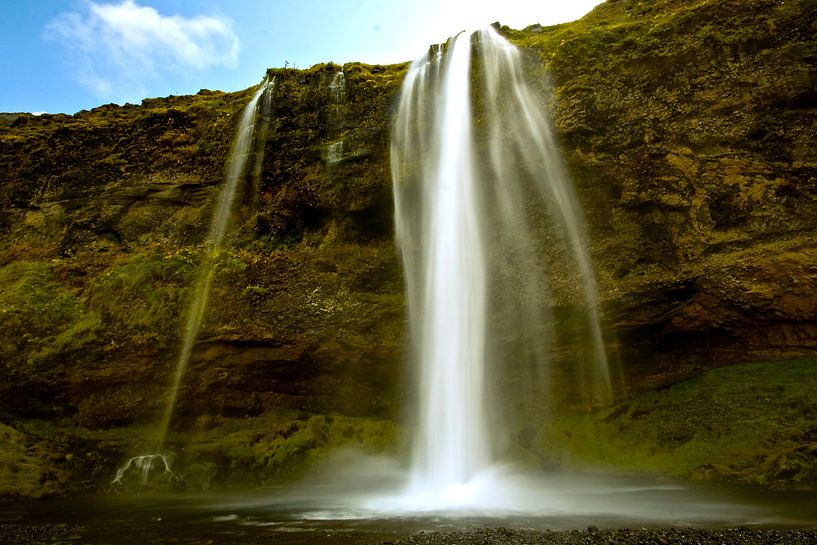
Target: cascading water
[337,99]
[241,151]
[452,443]
[483,210]
[469,204]
[337,95]
[524,152]
[485,215]
[239,156]
[263,108]
[144,466]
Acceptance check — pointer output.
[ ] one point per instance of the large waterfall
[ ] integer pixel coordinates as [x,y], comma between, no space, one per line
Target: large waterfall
[480,197]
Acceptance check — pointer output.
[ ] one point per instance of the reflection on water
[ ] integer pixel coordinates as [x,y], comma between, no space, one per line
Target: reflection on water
[346,514]
[554,501]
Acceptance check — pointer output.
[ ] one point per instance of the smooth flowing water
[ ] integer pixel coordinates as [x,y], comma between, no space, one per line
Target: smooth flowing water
[144,466]
[242,150]
[477,181]
[471,203]
[453,443]
[263,113]
[337,96]
[240,153]
[337,101]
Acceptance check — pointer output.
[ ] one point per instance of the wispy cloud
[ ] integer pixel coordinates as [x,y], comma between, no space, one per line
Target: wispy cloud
[117,50]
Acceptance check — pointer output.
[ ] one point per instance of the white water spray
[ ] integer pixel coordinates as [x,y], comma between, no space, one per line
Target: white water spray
[144,465]
[466,210]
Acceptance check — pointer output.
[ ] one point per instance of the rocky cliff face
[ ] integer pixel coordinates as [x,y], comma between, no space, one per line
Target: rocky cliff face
[104,218]
[689,129]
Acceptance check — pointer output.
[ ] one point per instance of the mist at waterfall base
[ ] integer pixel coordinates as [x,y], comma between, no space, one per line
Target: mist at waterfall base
[291,519]
[475,211]
[482,215]
[468,212]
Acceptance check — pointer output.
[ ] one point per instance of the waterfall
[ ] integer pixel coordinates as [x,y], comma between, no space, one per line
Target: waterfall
[263,111]
[449,279]
[528,153]
[240,153]
[337,100]
[247,141]
[144,465]
[477,205]
[337,95]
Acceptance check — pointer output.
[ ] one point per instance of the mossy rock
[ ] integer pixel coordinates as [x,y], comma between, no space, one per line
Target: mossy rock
[751,423]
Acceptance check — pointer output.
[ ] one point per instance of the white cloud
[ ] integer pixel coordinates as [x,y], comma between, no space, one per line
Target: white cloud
[116,50]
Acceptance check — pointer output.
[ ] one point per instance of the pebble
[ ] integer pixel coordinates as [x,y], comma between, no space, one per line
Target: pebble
[593,535]
[62,533]
[24,533]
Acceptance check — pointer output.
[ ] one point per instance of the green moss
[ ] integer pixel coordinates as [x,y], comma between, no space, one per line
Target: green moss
[146,293]
[19,475]
[34,465]
[734,417]
[40,318]
[199,477]
[285,446]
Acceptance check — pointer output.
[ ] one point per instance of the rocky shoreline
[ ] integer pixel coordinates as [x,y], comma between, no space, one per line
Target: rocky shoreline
[65,533]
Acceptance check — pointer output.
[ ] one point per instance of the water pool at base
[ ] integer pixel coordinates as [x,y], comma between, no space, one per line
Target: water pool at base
[333,514]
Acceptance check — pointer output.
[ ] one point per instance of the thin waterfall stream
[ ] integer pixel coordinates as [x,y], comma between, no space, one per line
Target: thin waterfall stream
[337,99]
[241,151]
[236,170]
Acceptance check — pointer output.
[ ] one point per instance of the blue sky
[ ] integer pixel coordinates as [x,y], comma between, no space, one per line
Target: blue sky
[67,55]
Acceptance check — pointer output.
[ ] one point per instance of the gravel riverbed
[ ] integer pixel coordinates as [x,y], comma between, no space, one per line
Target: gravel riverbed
[594,536]
[68,535]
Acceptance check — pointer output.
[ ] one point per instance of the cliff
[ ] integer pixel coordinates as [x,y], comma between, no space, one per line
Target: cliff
[688,128]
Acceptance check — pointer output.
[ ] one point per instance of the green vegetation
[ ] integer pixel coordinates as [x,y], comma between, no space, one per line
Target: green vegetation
[297,348]
[146,293]
[40,319]
[753,423]
[18,475]
[282,447]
